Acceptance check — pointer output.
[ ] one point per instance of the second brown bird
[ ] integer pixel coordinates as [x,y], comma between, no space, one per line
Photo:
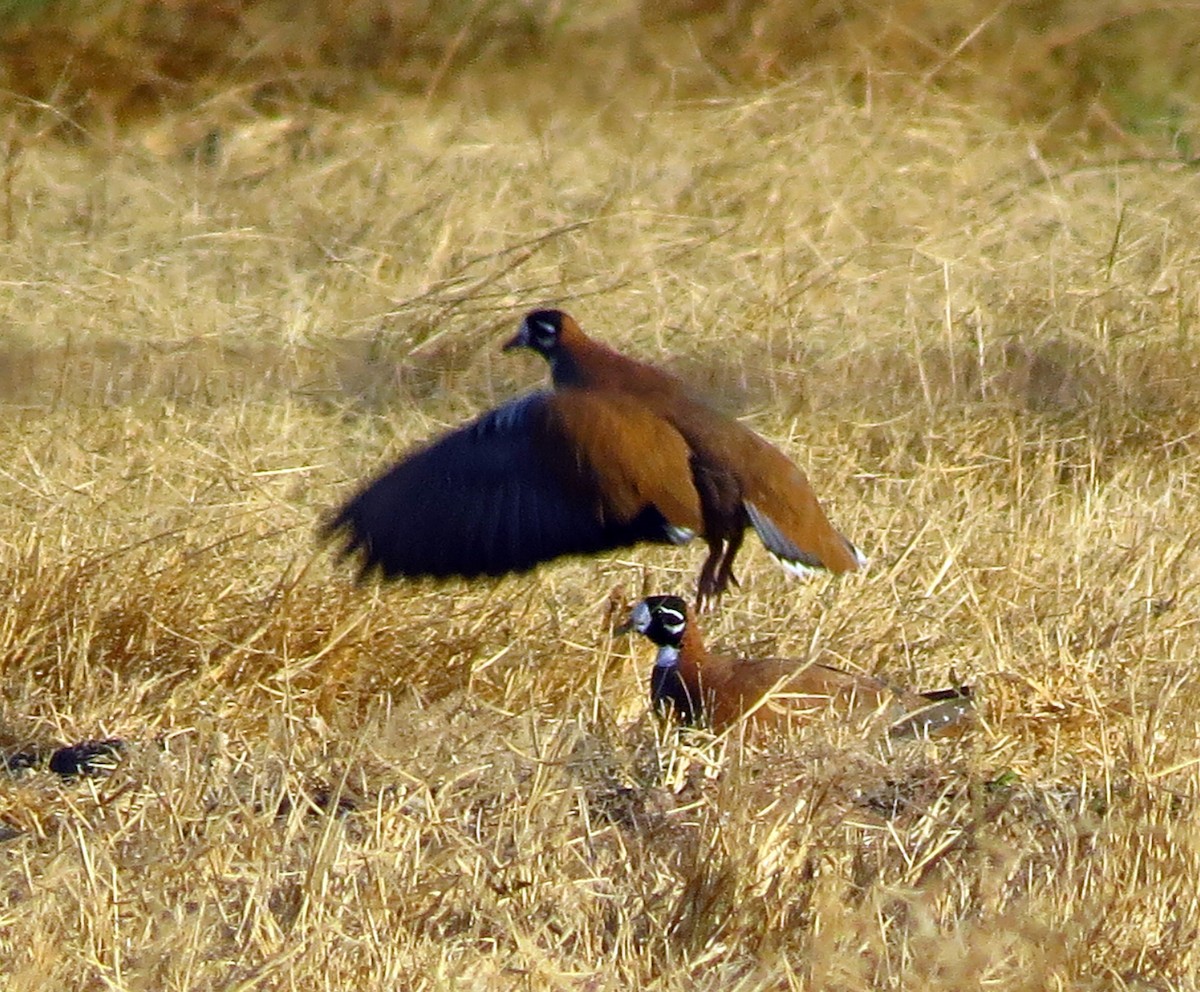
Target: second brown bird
[697,686]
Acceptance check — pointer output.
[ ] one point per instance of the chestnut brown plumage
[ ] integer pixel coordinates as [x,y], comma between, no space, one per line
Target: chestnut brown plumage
[541,476]
[617,454]
[697,686]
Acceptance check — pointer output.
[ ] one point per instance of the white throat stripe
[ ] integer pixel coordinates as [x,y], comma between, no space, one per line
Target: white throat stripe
[668,657]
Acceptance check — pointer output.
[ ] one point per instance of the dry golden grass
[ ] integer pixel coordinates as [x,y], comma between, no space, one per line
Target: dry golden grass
[1122,71]
[986,360]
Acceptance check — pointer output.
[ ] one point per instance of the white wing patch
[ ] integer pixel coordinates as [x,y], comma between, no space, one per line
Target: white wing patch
[794,561]
[797,562]
[679,535]
[798,568]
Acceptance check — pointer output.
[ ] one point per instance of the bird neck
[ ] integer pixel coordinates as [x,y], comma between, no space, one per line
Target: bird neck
[582,363]
[699,671]
[667,657]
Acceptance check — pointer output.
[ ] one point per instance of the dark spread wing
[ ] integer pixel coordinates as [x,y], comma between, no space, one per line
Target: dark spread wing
[499,495]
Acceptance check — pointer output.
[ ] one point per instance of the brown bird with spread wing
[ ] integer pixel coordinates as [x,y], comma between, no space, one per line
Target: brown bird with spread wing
[699,687]
[619,453]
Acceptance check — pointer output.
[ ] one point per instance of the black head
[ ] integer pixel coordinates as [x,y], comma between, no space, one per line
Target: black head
[663,619]
[540,331]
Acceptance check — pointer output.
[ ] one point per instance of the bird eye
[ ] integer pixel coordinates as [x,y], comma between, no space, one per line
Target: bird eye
[545,332]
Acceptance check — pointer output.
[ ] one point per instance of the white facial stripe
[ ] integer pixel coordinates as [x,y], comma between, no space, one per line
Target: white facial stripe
[672,621]
[546,328]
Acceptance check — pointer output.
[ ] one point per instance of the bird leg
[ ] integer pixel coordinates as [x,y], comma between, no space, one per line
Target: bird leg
[725,572]
[707,592]
[717,572]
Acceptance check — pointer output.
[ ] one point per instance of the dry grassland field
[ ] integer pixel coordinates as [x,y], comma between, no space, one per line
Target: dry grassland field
[215,324]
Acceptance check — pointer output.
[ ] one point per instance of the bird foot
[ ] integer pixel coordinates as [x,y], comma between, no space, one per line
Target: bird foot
[710,591]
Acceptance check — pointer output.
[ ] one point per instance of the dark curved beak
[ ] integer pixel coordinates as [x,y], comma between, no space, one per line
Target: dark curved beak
[624,627]
[518,340]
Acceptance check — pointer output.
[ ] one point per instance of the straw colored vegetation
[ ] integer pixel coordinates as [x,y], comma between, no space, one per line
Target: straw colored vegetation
[986,359]
[1118,70]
